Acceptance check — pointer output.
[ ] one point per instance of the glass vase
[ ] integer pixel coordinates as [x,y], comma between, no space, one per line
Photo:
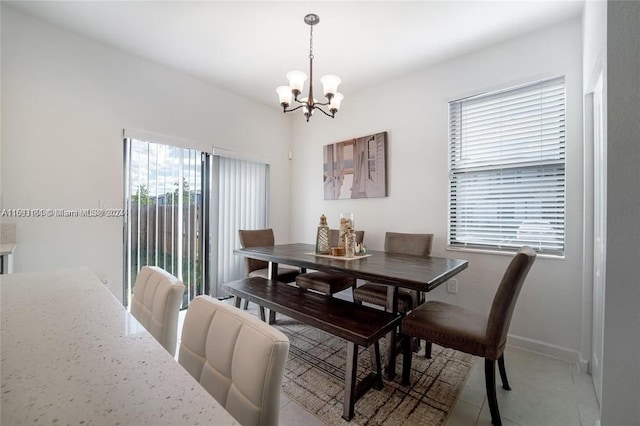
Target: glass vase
[346,223]
[350,243]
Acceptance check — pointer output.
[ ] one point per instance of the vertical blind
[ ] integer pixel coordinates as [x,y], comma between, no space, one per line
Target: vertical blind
[507,169]
[164,221]
[243,188]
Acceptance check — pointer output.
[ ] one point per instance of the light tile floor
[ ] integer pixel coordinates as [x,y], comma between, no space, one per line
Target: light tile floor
[545,391]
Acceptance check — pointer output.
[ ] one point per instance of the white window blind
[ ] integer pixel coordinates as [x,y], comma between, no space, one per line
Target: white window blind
[507,169]
[164,222]
[243,197]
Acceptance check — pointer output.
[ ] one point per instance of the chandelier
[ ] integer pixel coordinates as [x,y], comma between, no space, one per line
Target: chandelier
[296,83]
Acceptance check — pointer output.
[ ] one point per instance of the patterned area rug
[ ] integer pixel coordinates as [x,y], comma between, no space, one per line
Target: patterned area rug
[435,383]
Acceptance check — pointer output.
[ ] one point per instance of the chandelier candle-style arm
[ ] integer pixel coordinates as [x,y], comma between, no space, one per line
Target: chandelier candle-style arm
[288,94]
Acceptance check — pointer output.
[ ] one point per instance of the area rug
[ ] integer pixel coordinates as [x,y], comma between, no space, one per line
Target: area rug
[435,383]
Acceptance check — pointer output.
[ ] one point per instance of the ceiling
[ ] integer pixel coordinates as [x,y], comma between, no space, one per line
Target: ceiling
[248,47]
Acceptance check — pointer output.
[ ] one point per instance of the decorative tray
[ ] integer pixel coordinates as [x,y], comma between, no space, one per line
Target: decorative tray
[328,256]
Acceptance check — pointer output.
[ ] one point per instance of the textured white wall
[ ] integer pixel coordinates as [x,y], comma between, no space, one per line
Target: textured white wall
[413,110]
[594,62]
[621,358]
[65,101]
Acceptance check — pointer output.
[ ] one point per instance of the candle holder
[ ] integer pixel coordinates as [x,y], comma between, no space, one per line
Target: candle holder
[322,237]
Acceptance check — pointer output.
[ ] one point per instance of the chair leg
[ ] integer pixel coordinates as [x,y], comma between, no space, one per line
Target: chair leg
[503,373]
[415,344]
[492,399]
[427,349]
[407,354]
[372,355]
[377,361]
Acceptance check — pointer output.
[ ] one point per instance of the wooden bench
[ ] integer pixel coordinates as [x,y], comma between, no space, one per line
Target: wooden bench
[358,325]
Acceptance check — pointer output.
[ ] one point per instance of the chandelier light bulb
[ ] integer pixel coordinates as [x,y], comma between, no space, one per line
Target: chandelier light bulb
[330,85]
[285,95]
[334,105]
[296,81]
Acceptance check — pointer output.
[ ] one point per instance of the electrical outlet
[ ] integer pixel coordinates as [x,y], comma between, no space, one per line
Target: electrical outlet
[452,286]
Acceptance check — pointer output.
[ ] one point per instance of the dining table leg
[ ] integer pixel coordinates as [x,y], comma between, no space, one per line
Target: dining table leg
[350,380]
[392,306]
[273,276]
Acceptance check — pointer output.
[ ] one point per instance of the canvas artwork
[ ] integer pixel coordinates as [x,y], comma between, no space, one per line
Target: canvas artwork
[356,168]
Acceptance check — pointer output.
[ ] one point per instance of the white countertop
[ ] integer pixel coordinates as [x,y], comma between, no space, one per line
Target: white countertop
[7,248]
[72,354]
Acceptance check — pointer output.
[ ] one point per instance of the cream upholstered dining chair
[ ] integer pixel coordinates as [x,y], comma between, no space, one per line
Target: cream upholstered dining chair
[236,357]
[396,242]
[467,331]
[157,296]
[327,282]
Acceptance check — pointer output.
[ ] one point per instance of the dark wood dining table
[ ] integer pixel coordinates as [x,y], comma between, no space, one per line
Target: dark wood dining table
[394,270]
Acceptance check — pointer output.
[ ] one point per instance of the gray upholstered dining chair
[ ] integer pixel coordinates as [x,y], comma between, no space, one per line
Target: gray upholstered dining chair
[260,268]
[401,243]
[157,296]
[327,282]
[467,331]
[237,358]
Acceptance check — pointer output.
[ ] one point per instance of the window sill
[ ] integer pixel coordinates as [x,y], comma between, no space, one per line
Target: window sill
[503,253]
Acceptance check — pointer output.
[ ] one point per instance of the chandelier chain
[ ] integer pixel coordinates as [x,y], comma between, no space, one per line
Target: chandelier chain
[311,41]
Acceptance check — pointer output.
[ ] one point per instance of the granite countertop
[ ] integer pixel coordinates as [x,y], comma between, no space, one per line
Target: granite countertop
[7,238]
[72,354]
[7,248]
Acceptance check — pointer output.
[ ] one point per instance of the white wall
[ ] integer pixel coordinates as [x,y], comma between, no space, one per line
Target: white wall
[65,101]
[594,63]
[621,359]
[413,110]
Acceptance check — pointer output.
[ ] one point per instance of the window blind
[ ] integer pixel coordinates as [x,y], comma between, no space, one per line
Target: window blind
[164,220]
[507,169]
[243,202]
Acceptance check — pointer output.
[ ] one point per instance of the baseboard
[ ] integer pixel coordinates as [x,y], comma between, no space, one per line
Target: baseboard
[550,350]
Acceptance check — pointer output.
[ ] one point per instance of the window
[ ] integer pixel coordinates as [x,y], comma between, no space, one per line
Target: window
[184,210]
[507,169]
[372,151]
[165,222]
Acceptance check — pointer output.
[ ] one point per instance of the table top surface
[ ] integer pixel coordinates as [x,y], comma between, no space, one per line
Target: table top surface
[412,272]
[72,354]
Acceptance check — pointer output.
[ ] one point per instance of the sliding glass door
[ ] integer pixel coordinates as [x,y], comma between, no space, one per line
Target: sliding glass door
[167,201]
[184,208]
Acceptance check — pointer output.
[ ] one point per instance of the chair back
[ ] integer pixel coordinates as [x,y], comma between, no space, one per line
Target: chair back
[504,302]
[236,357]
[412,244]
[157,296]
[255,238]
[334,237]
